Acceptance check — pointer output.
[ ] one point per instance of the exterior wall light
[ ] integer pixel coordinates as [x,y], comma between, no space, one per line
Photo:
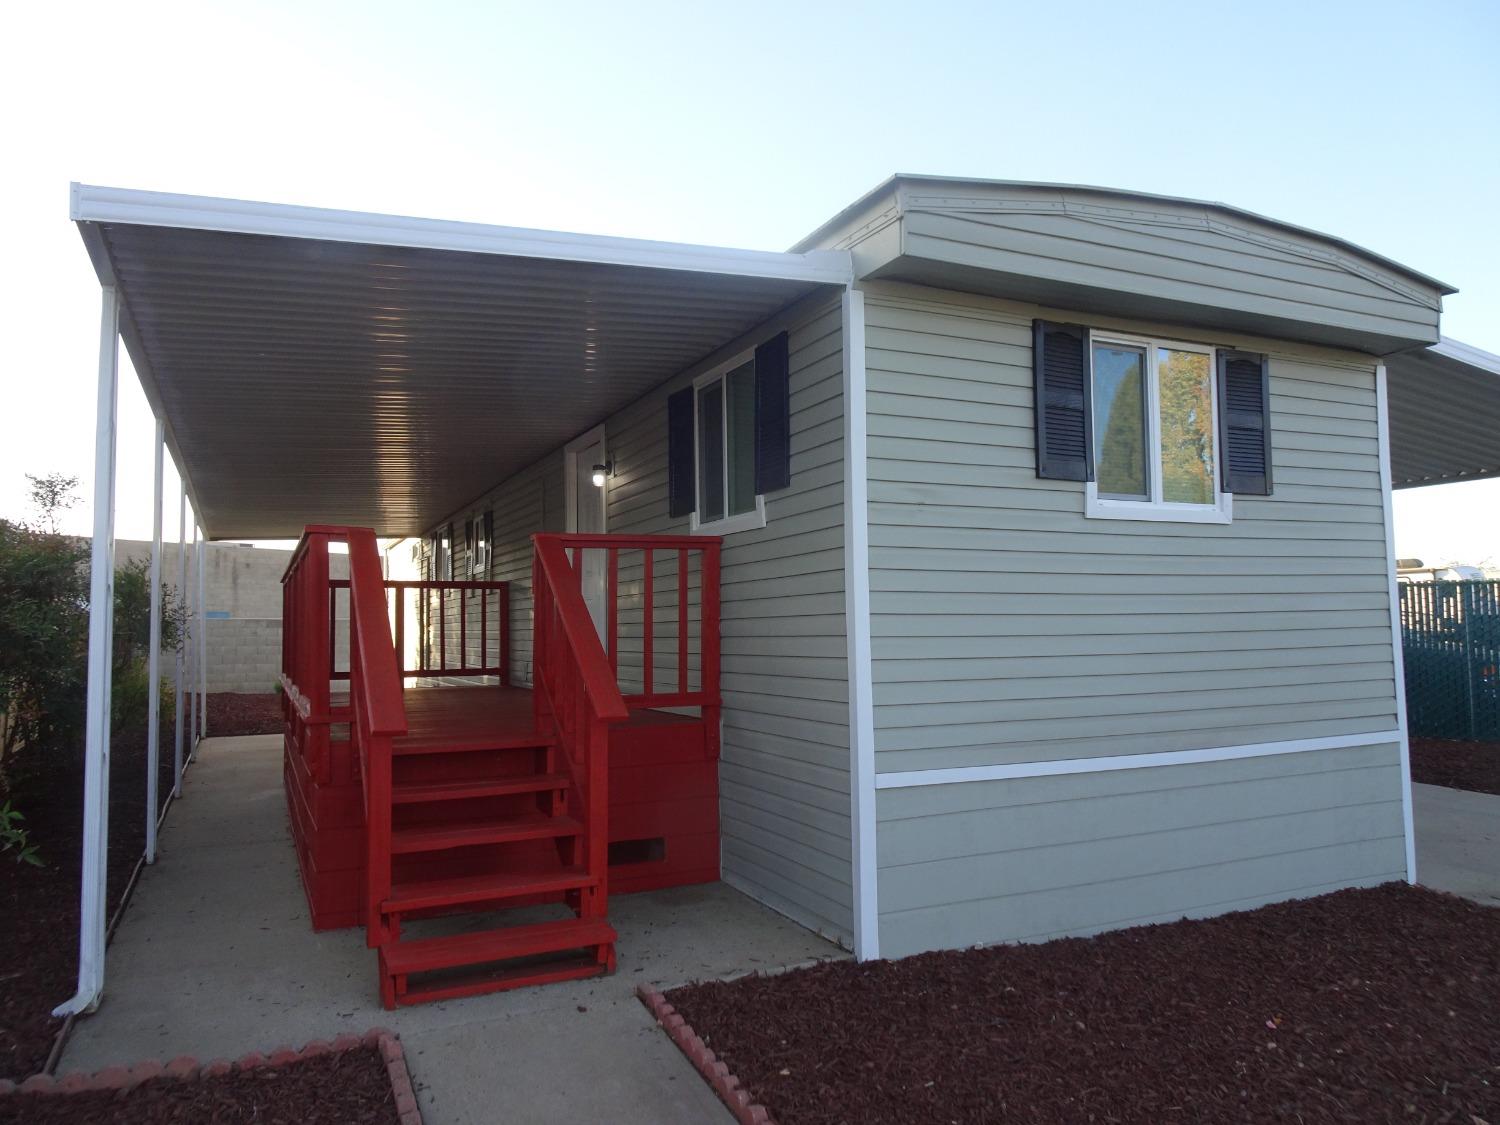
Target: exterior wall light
[603,472]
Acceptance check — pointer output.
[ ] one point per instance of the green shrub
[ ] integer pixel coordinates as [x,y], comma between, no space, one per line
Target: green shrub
[14,838]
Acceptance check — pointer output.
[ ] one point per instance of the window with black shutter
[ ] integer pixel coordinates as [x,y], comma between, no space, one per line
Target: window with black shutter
[729,440]
[1157,429]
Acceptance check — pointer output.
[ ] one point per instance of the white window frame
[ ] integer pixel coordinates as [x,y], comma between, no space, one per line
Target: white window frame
[744,521]
[1157,509]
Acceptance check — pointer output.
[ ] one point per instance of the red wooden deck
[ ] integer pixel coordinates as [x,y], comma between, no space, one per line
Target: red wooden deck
[663,780]
[480,799]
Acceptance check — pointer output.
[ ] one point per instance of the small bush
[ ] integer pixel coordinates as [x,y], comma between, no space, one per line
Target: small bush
[131,695]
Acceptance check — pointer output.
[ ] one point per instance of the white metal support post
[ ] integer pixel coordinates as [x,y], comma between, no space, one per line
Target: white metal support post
[153,656]
[92,891]
[181,682]
[202,646]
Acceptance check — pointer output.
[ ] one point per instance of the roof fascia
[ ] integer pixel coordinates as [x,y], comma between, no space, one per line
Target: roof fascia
[94,204]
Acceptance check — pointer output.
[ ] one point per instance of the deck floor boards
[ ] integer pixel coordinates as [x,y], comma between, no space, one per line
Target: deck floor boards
[478,713]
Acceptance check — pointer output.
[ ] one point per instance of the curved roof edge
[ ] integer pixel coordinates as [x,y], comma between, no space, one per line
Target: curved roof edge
[889,186]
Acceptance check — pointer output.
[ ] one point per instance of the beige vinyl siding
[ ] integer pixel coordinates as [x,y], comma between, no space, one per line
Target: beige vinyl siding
[783,777]
[1035,858]
[1008,627]
[784,781]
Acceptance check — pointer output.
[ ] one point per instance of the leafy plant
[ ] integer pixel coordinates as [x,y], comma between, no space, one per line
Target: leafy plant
[13,838]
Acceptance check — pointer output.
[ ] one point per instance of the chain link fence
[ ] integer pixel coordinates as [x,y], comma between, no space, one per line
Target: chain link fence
[1450,640]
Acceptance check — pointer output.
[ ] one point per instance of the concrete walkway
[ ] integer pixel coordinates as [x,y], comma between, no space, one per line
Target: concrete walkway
[215,957]
[1458,841]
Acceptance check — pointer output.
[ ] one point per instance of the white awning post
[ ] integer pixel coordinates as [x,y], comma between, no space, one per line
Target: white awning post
[153,656]
[92,891]
[181,683]
[202,643]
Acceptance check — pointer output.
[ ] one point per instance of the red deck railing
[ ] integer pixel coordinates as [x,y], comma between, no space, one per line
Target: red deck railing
[657,615]
[375,711]
[459,628]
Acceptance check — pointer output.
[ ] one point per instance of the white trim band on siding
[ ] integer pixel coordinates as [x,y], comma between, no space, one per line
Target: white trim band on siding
[862,822]
[1383,415]
[94,204]
[957,774]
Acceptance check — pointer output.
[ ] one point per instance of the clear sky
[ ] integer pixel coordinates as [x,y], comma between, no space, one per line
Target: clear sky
[732,124]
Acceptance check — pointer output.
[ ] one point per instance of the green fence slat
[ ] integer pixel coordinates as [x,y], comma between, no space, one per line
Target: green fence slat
[1450,643]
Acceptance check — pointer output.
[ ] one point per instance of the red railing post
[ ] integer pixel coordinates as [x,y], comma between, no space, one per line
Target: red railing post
[682,620]
[648,625]
[708,643]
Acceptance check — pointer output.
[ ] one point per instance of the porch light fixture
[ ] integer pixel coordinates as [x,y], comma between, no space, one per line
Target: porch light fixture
[602,472]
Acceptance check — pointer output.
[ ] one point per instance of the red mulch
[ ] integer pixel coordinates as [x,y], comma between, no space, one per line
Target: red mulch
[348,1088]
[231,713]
[1457,765]
[1378,1005]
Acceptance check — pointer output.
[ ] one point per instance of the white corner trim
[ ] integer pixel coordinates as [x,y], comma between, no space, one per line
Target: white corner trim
[1384,419]
[958,774]
[96,204]
[862,821]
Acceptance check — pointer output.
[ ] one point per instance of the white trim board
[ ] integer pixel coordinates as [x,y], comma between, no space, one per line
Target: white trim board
[862,822]
[1383,416]
[958,774]
[95,204]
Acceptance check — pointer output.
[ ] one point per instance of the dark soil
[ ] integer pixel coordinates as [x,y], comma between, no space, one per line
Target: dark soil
[349,1088]
[39,905]
[232,713]
[1456,765]
[1365,1006]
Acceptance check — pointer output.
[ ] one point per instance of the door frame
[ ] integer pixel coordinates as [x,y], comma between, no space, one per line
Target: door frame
[570,477]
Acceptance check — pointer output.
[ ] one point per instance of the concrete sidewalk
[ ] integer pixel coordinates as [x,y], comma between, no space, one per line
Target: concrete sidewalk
[1458,841]
[216,957]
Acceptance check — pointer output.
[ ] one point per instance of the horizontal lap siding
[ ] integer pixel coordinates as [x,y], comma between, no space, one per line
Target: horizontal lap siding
[784,782]
[784,768]
[1007,627]
[1035,858]
[1183,261]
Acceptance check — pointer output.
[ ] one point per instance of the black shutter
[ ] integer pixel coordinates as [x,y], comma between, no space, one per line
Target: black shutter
[1064,423]
[773,416]
[680,490]
[1245,422]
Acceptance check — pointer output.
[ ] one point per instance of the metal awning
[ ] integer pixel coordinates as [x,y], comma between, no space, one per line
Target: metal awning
[315,366]
[1444,404]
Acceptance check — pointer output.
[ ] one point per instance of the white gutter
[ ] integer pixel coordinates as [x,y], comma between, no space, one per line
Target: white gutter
[1383,417]
[92,204]
[92,889]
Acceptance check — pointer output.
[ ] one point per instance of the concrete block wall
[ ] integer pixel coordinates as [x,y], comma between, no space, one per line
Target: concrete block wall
[242,592]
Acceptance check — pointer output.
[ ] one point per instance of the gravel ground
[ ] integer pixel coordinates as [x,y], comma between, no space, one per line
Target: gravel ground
[1379,1005]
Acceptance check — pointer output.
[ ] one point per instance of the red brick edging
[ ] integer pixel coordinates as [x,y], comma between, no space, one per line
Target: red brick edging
[185,1067]
[714,1072]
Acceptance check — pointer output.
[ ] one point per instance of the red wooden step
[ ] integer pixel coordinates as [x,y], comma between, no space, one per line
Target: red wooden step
[412,792]
[580,966]
[488,946]
[438,743]
[461,834]
[483,888]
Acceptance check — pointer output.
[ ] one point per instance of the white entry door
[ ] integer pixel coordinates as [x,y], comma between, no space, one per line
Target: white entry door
[586,516]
